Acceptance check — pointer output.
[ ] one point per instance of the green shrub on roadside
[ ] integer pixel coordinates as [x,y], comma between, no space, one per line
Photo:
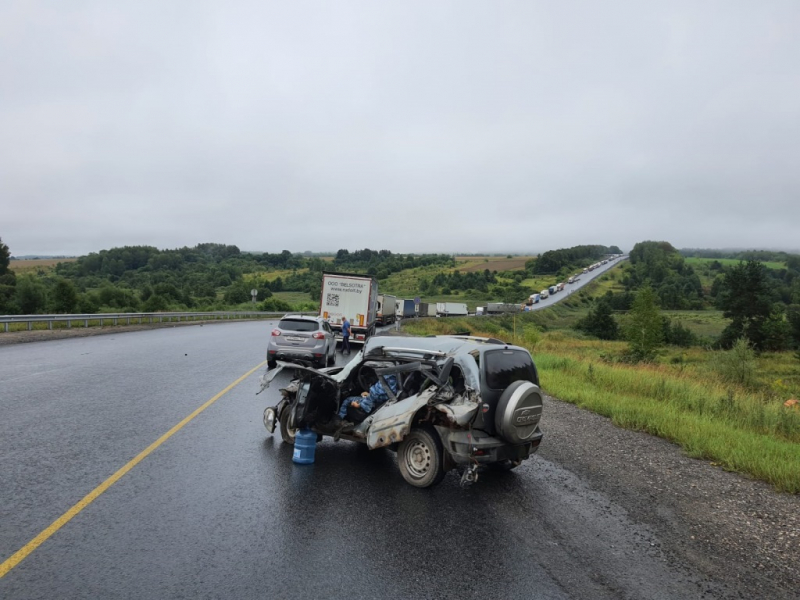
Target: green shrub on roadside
[737,365]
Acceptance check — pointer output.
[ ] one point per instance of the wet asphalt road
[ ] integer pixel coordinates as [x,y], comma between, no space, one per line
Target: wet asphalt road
[220,511]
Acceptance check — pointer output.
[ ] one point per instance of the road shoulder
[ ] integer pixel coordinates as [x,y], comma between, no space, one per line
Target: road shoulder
[737,531]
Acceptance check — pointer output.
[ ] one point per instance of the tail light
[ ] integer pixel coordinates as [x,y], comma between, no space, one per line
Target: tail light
[318,335]
[276,332]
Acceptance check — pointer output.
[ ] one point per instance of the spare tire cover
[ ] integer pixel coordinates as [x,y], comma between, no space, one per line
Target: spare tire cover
[518,412]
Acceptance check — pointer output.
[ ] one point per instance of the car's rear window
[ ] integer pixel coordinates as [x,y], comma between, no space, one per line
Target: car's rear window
[504,367]
[298,325]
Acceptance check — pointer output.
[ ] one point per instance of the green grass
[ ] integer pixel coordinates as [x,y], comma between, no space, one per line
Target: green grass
[681,398]
[407,283]
[727,262]
[294,298]
[707,324]
[735,430]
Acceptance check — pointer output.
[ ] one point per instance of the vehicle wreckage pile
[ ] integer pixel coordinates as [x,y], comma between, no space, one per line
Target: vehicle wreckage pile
[456,402]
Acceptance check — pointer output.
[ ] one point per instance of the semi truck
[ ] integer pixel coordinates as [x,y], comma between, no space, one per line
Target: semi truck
[386,308]
[352,296]
[451,309]
[405,309]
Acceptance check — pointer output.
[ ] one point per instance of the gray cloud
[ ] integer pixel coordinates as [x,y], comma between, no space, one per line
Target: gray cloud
[450,126]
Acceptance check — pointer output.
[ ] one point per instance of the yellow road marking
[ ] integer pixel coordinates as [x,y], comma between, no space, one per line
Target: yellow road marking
[23,552]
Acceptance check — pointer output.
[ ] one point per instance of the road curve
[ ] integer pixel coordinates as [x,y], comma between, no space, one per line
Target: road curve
[581,280]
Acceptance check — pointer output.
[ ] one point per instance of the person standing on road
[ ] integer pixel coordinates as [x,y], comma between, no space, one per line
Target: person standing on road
[345,336]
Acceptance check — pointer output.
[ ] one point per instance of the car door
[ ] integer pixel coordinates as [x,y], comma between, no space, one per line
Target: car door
[330,348]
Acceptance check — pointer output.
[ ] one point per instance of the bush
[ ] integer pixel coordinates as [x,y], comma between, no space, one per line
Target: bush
[599,322]
[644,327]
[64,297]
[88,303]
[31,296]
[737,365]
[677,334]
[156,303]
[274,305]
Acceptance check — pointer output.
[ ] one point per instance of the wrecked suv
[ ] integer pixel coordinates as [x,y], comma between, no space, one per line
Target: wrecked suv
[461,402]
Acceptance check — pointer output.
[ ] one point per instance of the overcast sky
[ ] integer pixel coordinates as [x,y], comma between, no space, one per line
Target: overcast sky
[412,126]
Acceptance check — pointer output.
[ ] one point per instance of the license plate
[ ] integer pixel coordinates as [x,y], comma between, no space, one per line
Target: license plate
[293,339]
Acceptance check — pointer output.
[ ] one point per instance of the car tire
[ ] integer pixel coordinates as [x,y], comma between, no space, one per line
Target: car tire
[287,432]
[271,364]
[421,458]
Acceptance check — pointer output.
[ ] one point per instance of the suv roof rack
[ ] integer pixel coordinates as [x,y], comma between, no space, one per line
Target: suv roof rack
[475,338]
[385,349]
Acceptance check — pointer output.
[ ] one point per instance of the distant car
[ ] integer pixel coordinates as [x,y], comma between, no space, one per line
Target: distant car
[298,338]
[460,402]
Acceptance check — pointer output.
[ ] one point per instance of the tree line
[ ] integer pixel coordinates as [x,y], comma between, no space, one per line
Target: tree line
[207,276]
[565,260]
[763,305]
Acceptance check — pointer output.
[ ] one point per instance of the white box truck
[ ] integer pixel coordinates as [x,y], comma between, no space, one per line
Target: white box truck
[451,309]
[386,307]
[351,296]
[427,309]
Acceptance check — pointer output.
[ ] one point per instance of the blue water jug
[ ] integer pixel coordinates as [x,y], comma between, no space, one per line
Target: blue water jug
[305,442]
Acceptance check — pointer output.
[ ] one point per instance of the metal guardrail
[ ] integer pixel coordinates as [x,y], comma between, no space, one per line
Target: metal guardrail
[136,318]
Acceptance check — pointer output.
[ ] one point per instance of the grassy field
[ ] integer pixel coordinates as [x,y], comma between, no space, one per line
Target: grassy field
[294,298]
[703,323]
[467,264]
[273,275]
[727,262]
[407,283]
[34,265]
[680,398]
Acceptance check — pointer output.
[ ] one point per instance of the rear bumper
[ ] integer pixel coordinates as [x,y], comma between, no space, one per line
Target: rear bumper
[468,448]
[358,335]
[291,355]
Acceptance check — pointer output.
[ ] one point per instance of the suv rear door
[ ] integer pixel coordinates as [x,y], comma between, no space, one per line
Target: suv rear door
[297,332]
[500,368]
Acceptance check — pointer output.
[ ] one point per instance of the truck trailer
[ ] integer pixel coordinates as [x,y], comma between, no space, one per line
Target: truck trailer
[451,309]
[405,309]
[386,308]
[427,309]
[496,308]
[351,296]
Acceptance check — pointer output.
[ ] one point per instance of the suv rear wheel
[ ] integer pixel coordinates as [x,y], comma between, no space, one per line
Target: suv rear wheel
[421,458]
